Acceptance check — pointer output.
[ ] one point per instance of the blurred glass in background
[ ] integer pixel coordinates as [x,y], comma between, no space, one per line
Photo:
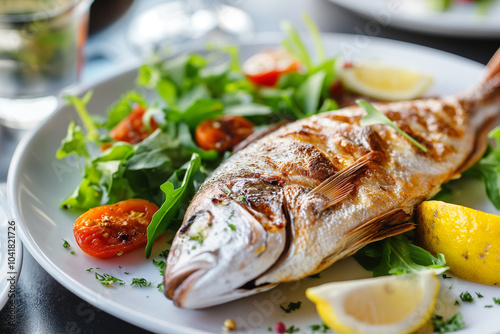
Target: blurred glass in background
[41,44]
[172,22]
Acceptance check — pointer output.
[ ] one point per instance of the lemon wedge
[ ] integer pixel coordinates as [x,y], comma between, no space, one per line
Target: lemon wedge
[389,304]
[382,82]
[469,239]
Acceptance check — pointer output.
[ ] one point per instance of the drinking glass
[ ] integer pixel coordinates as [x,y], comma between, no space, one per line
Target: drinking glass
[41,45]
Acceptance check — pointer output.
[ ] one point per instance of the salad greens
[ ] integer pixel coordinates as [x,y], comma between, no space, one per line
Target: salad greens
[488,169]
[397,255]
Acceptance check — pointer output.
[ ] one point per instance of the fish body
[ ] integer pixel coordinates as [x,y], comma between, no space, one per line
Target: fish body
[316,190]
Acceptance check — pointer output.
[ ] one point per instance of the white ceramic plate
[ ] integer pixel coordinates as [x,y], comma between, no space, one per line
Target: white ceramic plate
[461,20]
[11,251]
[38,183]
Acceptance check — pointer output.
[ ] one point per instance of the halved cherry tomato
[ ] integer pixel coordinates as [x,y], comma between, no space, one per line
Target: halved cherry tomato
[222,134]
[113,230]
[266,67]
[131,129]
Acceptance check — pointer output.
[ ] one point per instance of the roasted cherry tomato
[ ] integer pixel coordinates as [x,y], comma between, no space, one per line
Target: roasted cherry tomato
[222,134]
[266,67]
[113,230]
[131,129]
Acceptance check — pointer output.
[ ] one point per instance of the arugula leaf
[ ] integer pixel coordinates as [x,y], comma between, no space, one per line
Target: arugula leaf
[293,43]
[316,36]
[373,117]
[87,195]
[397,255]
[487,169]
[175,192]
[309,93]
[80,105]
[201,110]
[74,143]
[185,139]
[148,75]
[123,107]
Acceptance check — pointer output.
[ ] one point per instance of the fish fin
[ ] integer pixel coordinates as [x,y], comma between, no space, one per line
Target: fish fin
[387,225]
[493,67]
[338,186]
[390,224]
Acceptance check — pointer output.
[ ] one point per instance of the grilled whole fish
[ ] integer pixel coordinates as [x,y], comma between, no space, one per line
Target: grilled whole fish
[316,190]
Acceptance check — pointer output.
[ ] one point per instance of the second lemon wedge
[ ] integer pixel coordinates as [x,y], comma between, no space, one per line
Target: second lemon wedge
[382,82]
[468,238]
[389,304]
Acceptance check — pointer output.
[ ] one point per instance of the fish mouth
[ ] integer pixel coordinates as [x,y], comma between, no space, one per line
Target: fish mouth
[178,285]
[185,286]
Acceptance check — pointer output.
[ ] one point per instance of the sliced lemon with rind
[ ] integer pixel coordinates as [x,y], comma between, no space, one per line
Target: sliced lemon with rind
[382,82]
[468,238]
[386,305]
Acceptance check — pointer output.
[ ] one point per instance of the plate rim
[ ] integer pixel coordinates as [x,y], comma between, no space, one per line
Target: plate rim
[413,24]
[112,307]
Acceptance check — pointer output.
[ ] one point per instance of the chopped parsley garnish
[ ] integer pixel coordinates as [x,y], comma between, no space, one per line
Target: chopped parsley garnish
[108,280]
[66,244]
[241,198]
[457,302]
[160,287]
[126,272]
[73,252]
[227,190]
[454,323]
[292,329]
[160,264]
[466,297]
[141,282]
[198,237]
[232,227]
[291,307]
[488,306]
[323,328]
[479,295]
[496,300]
[446,276]
[164,253]
[89,270]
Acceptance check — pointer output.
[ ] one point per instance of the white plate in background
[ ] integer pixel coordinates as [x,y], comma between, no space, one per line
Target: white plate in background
[461,20]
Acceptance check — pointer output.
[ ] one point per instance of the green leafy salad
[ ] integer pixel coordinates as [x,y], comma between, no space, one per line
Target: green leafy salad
[168,166]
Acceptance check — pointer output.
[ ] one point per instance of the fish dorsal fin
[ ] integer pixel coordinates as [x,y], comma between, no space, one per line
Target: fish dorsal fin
[338,186]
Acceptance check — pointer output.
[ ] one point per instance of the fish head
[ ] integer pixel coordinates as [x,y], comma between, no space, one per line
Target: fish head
[228,238]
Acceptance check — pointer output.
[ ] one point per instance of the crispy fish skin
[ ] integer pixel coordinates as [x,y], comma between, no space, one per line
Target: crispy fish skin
[274,211]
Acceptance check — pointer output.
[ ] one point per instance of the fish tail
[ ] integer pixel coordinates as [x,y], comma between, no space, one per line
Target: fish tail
[493,67]
[482,103]
[487,91]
